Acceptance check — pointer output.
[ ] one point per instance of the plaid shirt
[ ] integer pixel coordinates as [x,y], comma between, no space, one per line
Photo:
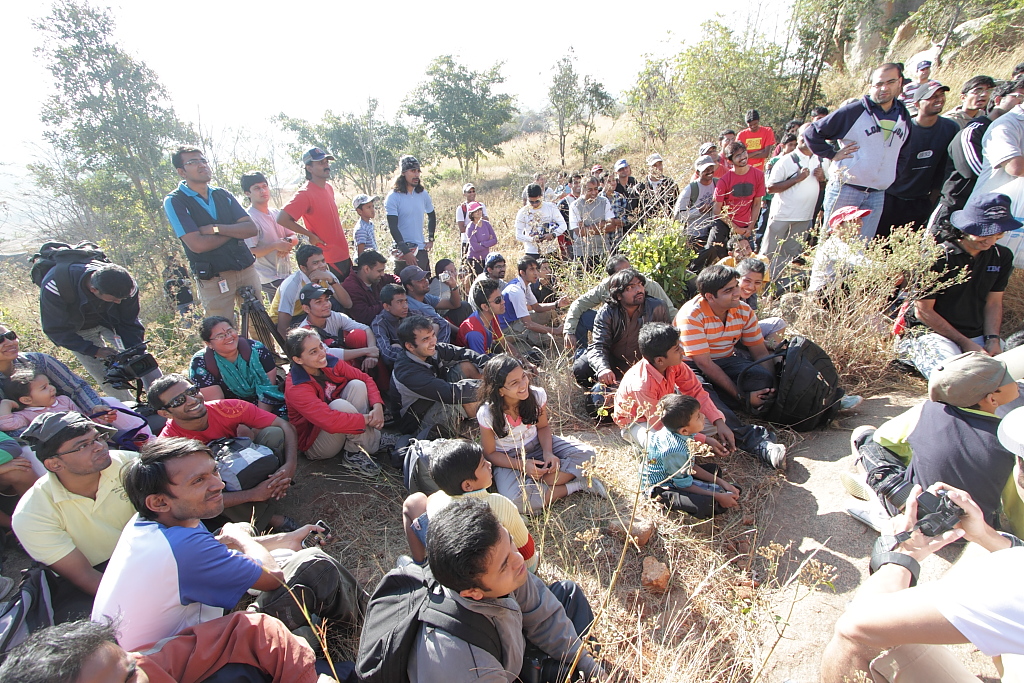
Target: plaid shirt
[620,205]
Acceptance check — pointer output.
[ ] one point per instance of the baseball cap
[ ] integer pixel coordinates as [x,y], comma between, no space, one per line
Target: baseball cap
[408,163]
[468,186]
[412,274]
[1011,432]
[473,206]
[985,215]
[48,425]
[596,168]
[621,164]
[706,148]
[361,199]
[492,258]
[315,154]
[653,159]
[924,64]
[927,91]
[703,162]
[846,213]
[311,292]
[964,380]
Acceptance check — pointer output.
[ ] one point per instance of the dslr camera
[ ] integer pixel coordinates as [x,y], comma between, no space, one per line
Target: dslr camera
[936,513]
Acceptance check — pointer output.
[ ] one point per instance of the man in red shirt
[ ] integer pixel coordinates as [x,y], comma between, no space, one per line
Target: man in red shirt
[759,139]
[189,416]
[315,205]
[737,204]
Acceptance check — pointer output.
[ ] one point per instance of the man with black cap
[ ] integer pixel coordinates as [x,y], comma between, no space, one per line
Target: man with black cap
[273,245]
[912,196]
[494,269]
[759,139]
[974,96]
[421,302]
[71,518]
[965,316]
[314,204]
[345,338]
[406,205]
[626,185]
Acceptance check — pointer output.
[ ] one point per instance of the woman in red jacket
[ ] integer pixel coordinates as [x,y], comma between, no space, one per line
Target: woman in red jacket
[333,406]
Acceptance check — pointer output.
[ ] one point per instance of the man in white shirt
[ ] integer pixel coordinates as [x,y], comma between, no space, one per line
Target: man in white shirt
[590,219]
[696,200]
[1002,168]
[538,223]
[795,180]
[274,243]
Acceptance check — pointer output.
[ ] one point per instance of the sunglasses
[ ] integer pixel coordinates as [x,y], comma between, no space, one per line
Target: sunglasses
[10,335]
[180,399]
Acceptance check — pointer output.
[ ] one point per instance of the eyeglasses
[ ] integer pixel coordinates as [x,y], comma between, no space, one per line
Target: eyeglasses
[193,162]
[979,91]
[228,333]
[180,399]
[89,443]
[10,335]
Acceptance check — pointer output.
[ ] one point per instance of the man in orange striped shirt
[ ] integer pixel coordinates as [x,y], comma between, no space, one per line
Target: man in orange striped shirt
[710,326]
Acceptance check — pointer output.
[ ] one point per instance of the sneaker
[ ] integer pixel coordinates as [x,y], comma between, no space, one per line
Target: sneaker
[360,463]
[854,484]
[849,402]
[871,515]
[856,438]
[597,488]
[775,453]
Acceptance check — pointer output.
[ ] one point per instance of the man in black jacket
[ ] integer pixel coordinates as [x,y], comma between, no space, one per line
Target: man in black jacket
[433,384]
[93,310]
[616,338]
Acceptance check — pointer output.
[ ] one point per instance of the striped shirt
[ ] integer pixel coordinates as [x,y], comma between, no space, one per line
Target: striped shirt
[701,331]
[364,234]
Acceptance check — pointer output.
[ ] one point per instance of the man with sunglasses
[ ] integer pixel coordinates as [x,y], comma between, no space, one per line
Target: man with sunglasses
[71,518]
[538,222]
[190,416]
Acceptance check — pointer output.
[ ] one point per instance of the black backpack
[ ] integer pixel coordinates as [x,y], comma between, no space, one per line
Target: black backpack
[807,388]
[28,610]
[54,254]
[415,464]
[405,598]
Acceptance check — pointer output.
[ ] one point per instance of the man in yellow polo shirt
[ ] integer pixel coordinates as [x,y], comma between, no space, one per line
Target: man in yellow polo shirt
[71,518]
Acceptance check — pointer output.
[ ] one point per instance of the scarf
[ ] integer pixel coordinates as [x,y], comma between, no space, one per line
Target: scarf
[248,380]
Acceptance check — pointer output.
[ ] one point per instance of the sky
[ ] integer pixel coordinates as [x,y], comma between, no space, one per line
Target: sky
[242,63]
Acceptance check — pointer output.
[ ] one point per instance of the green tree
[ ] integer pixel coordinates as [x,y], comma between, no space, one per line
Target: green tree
[110,116]
[463,115]
[596,102]
[366,145]
[566,97]
[653,102]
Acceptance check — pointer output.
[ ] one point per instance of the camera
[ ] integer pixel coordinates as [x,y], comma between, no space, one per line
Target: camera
[129,366]
[936,513]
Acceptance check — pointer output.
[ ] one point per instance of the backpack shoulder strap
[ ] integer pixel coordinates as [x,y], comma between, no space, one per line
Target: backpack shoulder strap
[694,192]
[244,349]
[211,364]
[474,628]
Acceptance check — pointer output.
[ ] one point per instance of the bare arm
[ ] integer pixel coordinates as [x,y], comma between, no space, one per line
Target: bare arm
[924,310]
[1015,166]
[206,240]
[993,321]
[236,537]
[287,221]
[784,185]
[214,393]
[76,568]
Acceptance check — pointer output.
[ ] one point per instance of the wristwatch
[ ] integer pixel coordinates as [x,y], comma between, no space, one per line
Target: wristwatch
[216,230]
[989,337]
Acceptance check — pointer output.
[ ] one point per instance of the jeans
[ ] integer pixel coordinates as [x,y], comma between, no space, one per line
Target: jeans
[929,351]
[750,438]
[839,194]
[699,505]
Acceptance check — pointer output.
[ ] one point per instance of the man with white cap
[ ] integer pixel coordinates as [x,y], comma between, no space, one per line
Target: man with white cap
[949,438]
[696,200]
[462,214]
[657,193]
[965,316]
[886,626]
[406,205]
[795,180]
[315,206]
[364,235]
[923,80]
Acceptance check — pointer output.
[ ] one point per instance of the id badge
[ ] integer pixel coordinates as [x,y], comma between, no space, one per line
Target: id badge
[223,285]
[118,344]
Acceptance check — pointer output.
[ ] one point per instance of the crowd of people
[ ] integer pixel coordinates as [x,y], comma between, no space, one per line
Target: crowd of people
[157,535]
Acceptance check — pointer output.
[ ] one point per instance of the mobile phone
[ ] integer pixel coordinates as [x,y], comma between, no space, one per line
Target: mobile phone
[317,538]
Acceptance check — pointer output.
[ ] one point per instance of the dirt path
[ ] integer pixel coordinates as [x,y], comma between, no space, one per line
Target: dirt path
[809,512]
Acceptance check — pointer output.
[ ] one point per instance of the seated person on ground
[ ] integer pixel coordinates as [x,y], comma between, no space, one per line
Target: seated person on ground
[710,327]
[29,394]
[951,438]
[422,302]
[659,373]
[189,415]
[385,326]
[433,384]
[752,274]
[335,408]
[580,319]
[616,344]
[345,338]
[71,518]
[740,249]
[544,292]
[481,331]
[18,472]
[977,603]
[460,469]
[446,280]
[840,253]
[534,467]
[234,367]
[224,650]
[364,285]
[670,473]
[312,268]
[517,324]
[965,316]
[169,573]
[472,556]
[494,269]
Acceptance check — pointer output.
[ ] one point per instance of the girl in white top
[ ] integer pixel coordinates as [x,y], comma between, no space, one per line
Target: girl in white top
[532,467]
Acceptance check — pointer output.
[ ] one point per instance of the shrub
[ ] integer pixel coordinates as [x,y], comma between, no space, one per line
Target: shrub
[661,251]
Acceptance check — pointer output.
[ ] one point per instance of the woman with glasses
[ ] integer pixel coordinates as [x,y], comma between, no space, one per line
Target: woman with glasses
[234,367]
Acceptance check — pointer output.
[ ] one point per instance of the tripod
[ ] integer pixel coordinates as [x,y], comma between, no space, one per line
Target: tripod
[264,329]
